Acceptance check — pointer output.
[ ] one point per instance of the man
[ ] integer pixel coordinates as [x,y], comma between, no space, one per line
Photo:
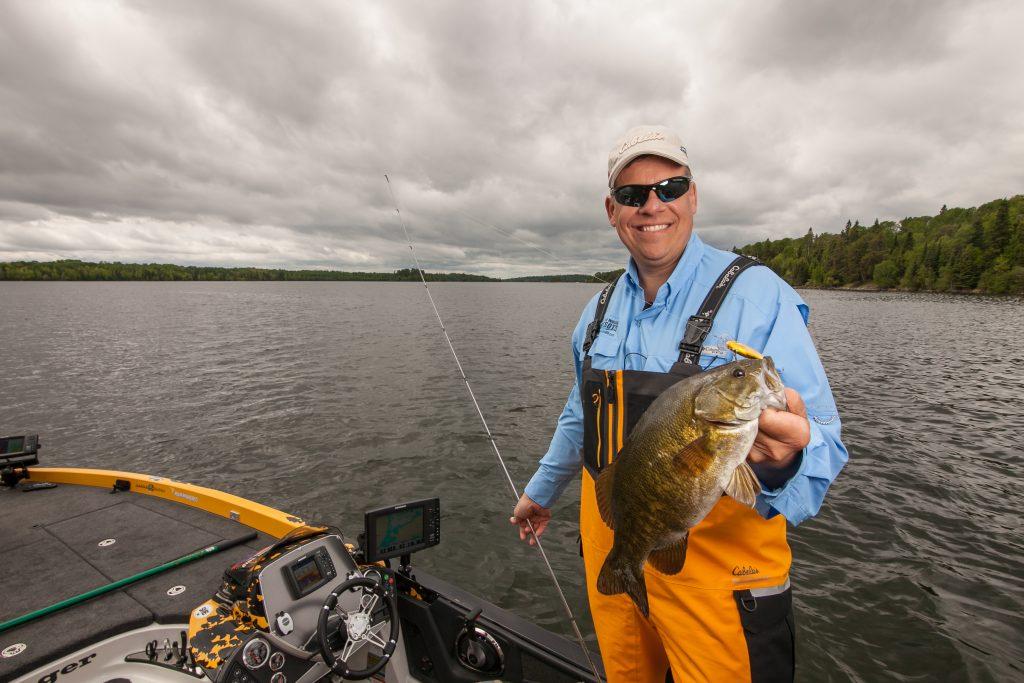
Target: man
[727,616]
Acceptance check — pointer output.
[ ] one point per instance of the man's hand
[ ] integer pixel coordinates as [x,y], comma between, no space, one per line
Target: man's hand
[527,512]
[781,434]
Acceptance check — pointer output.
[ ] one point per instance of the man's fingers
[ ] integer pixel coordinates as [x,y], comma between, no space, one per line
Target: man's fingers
[788,428]
[795,403]
[767,449]
[529,513]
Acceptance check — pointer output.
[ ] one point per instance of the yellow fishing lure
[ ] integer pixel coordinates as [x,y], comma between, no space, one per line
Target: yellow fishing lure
[742,350]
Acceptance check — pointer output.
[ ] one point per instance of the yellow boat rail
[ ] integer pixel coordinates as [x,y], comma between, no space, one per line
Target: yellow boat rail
[246,512]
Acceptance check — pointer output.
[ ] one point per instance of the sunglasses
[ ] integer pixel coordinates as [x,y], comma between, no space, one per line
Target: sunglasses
[667,191]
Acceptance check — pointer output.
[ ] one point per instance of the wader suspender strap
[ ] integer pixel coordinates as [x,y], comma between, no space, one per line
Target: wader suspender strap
[698,326]
[595,325]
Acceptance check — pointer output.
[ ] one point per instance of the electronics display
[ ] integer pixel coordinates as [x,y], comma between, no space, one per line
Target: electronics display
[17,448]
[309,572]
[402,529]
[17,453]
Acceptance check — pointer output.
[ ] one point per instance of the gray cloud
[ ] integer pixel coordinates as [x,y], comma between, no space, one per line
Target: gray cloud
[259,132]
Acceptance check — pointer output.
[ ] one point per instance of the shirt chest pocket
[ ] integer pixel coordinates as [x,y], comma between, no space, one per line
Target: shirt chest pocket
[606,347]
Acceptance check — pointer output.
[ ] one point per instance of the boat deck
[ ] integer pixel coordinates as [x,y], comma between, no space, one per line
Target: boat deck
[49,551]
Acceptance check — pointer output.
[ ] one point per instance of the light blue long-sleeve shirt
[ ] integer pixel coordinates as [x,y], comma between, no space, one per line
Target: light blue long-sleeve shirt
[761,311]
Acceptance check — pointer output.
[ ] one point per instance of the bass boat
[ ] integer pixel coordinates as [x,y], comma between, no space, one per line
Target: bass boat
[119,577]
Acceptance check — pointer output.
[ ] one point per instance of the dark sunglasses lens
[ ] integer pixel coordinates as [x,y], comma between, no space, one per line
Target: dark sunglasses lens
[672,189]
[632,195]
[667,191]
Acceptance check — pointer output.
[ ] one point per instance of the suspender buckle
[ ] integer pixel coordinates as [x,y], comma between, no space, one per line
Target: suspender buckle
[697,329]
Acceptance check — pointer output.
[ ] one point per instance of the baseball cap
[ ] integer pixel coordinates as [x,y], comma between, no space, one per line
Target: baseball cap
[657,140]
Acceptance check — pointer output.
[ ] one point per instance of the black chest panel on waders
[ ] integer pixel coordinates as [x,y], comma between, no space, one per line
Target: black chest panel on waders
[614,400]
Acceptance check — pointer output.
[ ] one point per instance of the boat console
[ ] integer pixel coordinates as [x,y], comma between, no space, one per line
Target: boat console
[310,601]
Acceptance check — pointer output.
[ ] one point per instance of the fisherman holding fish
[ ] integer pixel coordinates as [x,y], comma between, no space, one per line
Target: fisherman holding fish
[692,460]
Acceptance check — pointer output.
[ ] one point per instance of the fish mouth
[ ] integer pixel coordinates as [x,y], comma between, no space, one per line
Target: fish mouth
[773,391]
[777,401]
[765,398]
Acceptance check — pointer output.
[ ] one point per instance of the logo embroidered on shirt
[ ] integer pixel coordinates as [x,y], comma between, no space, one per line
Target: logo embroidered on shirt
[609,326]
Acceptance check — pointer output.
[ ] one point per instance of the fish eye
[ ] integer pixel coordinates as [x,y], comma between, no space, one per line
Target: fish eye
[738,372]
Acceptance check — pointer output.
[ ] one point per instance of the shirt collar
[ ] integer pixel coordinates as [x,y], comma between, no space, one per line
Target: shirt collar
[681,277]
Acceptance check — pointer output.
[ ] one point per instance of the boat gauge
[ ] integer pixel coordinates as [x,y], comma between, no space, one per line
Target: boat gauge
[276,661]
[278,678]
[255,653]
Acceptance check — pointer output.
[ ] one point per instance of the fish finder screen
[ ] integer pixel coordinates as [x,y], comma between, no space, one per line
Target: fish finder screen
[11,445]
[399,531]
[306,573]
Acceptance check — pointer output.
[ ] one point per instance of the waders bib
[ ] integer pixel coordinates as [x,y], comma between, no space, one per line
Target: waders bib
[727,615]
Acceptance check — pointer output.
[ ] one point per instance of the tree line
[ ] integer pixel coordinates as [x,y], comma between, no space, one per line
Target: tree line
[82,270]
[977,249]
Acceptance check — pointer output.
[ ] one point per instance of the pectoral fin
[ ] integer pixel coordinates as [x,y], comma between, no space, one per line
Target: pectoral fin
[603,489]
[670,560]
[694,451]
[744,485]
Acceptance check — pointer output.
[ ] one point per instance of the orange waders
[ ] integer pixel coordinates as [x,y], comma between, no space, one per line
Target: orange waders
[727,615]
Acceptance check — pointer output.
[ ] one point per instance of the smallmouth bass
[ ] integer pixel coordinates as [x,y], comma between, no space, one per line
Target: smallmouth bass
[690,445]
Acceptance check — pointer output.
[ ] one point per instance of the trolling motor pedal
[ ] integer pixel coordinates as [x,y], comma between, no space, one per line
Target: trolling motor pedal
[477,650]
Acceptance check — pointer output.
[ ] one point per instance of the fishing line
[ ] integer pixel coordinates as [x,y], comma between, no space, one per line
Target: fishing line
[494,445]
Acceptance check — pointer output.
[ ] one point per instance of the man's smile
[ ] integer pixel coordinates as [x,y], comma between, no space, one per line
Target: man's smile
[653,228]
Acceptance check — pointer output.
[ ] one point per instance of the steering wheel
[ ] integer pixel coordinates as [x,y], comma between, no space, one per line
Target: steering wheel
[358,627]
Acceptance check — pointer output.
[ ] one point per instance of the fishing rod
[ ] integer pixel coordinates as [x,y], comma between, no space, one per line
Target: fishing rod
[82,597]
[490,437]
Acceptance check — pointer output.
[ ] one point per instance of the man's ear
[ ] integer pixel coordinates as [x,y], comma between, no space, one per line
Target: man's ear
[609,206]
[693,189]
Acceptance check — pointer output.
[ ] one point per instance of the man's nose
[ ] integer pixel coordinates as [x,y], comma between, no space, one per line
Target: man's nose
[653,204]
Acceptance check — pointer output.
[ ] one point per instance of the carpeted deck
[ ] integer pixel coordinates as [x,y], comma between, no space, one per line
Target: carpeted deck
[49,552]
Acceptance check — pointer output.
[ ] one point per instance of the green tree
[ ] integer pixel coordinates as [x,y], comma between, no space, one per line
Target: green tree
[886,274]
[998,236]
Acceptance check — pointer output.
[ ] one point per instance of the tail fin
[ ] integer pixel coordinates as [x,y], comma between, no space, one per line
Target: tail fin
[620,576]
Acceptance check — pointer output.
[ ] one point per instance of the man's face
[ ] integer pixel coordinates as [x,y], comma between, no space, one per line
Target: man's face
[657,232]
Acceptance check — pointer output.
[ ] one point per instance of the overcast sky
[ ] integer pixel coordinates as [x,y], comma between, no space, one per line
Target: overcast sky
[258,133]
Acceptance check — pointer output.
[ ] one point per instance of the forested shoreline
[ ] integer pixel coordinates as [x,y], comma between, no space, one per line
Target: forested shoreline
[70,269]
[978,249]
[73,270]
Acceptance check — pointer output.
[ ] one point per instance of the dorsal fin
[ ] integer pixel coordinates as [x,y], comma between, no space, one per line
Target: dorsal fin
[603,490]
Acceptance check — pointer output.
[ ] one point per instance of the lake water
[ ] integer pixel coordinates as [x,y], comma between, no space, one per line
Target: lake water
[328,399]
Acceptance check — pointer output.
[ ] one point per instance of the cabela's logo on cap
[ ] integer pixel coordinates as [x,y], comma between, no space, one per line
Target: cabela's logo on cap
[632,142]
